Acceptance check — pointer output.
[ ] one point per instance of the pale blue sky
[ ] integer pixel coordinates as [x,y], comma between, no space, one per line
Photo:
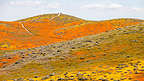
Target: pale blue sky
[11,10]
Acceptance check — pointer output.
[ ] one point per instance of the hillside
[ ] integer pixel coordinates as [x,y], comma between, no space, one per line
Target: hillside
[59,18]
[115,55]
[40,30]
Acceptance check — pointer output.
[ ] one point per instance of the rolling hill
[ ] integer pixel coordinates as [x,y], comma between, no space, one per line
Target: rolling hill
[41,30]
[109,56]
[55,47]
[59,18]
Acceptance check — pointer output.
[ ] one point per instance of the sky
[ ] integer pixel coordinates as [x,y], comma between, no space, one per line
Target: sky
[11,10]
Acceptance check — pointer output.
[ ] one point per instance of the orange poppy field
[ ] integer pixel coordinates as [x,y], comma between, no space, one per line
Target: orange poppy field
[66,48]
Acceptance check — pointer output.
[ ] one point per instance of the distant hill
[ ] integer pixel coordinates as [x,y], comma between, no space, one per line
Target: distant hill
[57,18]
